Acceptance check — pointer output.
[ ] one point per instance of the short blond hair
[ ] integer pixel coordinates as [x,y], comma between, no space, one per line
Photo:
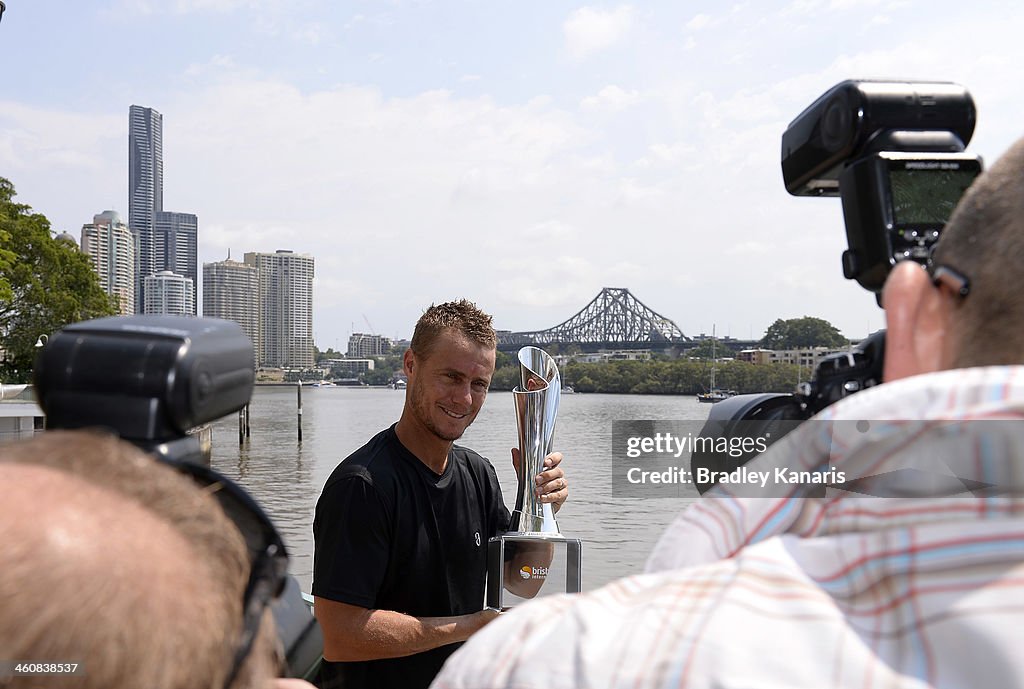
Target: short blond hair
[462,316]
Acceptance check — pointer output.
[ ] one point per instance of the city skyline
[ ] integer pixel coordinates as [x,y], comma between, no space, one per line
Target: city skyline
[522,155]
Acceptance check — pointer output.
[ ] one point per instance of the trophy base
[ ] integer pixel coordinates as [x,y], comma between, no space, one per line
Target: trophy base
[521,566]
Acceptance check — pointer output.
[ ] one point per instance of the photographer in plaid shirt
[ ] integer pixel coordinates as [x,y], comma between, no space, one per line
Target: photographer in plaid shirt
[911,574]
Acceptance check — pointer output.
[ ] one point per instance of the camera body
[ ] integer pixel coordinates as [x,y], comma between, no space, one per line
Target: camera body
[150,380]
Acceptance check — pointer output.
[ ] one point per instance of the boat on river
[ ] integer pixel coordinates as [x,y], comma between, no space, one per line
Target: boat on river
[715,395]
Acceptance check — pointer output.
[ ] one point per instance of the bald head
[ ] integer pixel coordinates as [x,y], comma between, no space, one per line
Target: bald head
[117,562]
[62,530]
[984,240]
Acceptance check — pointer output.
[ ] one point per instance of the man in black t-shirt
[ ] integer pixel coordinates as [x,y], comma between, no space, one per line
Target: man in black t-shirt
[402,525]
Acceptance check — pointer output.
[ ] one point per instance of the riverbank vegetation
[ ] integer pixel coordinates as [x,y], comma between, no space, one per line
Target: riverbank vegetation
[666,377]
[658,376]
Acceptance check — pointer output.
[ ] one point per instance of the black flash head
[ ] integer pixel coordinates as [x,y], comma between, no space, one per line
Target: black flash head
[893,150]
[147,378]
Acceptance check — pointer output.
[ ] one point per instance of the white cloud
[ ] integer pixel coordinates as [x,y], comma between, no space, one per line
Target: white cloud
[611,97]
[560,281]
[313,33]
[658,171]
[590,30]
[145,7]
[551,230]
[217,63]
[700,21]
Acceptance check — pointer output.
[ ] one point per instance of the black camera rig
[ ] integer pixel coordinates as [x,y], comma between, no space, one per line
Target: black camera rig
[152,379]
[893,151]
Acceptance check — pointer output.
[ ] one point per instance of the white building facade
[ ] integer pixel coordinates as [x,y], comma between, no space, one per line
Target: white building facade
[169,293]
[285,308]
[362,345]
[231,292]
[111,247]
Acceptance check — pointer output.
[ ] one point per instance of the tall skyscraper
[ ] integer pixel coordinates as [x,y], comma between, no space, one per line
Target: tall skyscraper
[145,190]
[231,292]
[286,308]
[111,247]
[167,293]
[175,241]
[165,240]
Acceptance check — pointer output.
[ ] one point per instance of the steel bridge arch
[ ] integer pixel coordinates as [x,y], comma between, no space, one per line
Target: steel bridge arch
[614,319]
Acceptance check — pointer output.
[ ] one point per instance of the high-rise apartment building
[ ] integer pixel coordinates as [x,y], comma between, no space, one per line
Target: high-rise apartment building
[145,190]
[286,308]
[362,345]
[165,240]
[167,293]
[231,292]
[175,239]
[110,246]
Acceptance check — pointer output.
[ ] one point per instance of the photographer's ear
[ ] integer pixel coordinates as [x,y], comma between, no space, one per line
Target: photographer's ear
[917,316]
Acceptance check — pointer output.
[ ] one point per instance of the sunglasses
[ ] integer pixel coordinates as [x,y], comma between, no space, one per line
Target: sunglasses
[950,277]
[268,558]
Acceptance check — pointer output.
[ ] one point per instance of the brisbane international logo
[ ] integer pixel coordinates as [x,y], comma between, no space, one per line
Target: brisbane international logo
[528,572]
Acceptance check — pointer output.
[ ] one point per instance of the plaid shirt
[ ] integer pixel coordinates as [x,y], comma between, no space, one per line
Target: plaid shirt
[909,575]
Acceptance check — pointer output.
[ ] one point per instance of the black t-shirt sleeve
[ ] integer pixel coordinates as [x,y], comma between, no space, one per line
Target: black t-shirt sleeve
[351,542]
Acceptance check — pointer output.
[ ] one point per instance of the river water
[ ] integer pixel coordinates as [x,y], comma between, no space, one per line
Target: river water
[286,477]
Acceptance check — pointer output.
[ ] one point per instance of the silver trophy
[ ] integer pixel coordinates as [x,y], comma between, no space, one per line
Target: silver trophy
[536,407]
[533,552]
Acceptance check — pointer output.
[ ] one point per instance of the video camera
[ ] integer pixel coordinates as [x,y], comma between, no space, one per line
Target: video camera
[151,380]
[894,153]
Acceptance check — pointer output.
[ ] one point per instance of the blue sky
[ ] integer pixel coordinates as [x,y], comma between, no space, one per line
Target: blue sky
[521,154]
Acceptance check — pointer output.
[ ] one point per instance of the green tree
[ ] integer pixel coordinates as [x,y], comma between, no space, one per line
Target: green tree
[45,284]
[796,333]
[319,356]
[710,348]
[378,376]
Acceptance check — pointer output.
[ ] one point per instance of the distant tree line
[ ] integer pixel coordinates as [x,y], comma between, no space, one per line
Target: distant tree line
[687,375]
[666,377]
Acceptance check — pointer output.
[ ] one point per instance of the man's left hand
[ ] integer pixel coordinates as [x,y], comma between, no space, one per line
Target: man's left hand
[550,485]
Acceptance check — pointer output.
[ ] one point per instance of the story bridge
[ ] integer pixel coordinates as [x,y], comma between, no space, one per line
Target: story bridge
[614,319]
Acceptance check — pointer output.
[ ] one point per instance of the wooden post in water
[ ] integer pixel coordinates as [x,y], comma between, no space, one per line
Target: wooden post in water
[241,425]
[298,392]
[246,419]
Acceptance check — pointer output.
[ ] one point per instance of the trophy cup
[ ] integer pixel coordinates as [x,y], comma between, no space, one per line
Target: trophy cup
[533,552]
